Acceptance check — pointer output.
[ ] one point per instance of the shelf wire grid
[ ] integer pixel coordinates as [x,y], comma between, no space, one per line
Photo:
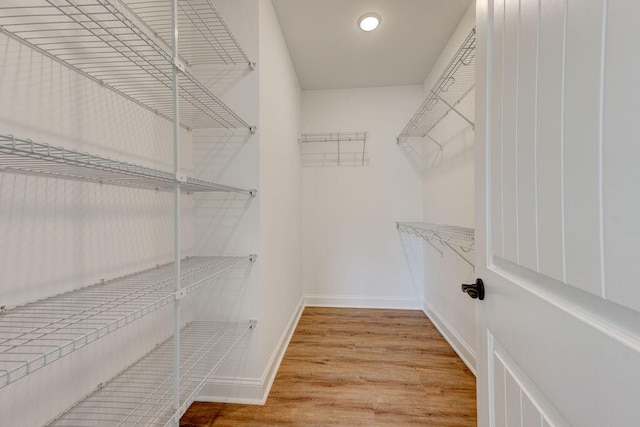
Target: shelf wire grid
[452,86]
[26,156]
[39,333]
[204,36]
[142,394]
[459,239]
[105,41]
[334,148]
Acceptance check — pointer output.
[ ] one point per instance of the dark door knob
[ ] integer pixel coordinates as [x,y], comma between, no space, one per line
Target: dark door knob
[475,290]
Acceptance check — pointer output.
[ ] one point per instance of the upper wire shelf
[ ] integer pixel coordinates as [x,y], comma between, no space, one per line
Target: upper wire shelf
[459,239]
[453,85]
[39,333]
[204,36]
[27,156]
[334,149]
[106,42]
[142,394]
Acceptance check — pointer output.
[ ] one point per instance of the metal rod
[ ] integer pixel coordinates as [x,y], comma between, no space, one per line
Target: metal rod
[176,211]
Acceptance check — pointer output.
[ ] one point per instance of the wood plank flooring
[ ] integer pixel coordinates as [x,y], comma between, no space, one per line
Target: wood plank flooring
[358,367]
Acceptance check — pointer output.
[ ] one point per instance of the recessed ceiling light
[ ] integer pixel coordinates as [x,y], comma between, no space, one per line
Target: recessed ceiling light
[369,21]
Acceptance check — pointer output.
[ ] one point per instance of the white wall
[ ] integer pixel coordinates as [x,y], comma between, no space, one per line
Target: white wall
[352,253]
[280,186]
[228,223]
[271,226]
[448,198]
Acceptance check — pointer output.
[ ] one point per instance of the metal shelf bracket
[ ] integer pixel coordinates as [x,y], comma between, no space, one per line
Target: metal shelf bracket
[459,239]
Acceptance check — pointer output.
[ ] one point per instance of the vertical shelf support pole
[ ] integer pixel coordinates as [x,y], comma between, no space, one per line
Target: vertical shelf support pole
[176,216]
[338,139]
[364,147]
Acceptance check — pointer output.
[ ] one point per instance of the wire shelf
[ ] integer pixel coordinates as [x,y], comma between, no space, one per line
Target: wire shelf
[459,239]
[334,149]
[142,394]
[453,85]
[106,42]
[204,36]
[37,334]
[26,156]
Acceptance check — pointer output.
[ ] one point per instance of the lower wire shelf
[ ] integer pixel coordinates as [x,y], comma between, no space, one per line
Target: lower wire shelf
[37,334]
[142,395]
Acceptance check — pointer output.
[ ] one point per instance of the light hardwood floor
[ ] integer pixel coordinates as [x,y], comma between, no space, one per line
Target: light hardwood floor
[358,367]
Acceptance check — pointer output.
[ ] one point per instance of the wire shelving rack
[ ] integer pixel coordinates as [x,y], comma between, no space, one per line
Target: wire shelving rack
[460,240]
[34,335]
[453,85]
[142,394]
[107,42]
[334,148]
[132,48]
[26,156]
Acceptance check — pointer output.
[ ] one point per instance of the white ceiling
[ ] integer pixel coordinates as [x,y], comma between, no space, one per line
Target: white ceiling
[329,51]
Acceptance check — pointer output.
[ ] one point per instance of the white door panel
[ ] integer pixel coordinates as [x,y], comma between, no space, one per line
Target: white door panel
[526,135]
[548,139]
[509,133]
[558,204]
[496,123]
[587,369]
[622,184]
[498,388]
[513,403]
[582,144]
[529,406]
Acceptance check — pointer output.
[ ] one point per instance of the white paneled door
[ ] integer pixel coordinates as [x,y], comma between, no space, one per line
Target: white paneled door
[558,212]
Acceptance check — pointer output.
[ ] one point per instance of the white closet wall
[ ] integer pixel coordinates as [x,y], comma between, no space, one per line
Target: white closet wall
[353,254]
[274,291]
[448,198]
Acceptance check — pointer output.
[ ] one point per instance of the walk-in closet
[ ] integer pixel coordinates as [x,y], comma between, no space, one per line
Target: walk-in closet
[172,197]
[188,188]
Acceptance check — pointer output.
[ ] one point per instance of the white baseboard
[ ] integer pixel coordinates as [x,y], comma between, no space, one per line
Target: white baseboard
[466,353]
[362,302]
[246,391]
[252,391]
